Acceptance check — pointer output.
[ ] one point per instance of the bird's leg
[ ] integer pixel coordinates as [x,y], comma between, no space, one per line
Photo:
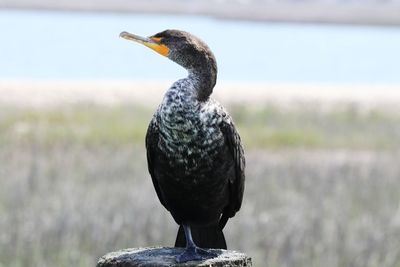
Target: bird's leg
[192,252]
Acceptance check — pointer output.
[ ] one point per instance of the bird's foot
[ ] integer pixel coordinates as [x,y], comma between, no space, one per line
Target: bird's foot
[195,254]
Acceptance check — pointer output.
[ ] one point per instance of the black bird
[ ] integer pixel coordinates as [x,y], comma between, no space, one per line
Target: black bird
[194,153]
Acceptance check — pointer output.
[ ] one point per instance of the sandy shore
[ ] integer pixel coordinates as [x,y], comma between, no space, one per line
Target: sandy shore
[352,12]
[54,93]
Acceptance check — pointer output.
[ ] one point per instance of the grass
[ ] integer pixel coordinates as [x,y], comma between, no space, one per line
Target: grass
[309,127]
[322,186]
[89,125]
[266,127]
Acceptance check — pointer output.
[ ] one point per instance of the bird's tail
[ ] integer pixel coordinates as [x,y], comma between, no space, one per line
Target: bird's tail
[204,237]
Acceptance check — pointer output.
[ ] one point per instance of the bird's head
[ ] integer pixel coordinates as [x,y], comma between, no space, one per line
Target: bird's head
[181,47]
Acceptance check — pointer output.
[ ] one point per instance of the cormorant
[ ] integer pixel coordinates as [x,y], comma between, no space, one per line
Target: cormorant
[194,153]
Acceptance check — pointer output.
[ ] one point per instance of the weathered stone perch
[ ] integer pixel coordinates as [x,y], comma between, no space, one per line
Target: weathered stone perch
[165,257]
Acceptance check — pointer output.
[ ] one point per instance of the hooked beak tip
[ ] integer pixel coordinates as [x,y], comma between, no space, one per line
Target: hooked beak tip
[123,34]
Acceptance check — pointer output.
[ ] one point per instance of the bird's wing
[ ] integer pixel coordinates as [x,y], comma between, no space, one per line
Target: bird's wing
[236,183]
[152,138]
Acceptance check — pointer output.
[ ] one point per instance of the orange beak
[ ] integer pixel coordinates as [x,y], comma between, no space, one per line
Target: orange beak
[153,43]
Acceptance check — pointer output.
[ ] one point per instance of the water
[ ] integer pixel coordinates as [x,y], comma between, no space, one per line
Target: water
[63,45]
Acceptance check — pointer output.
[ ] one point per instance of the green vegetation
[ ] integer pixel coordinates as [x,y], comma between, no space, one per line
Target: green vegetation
[83,124]
[322,186]
[260,127]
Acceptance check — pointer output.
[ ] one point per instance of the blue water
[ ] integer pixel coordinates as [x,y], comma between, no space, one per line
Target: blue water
[63,45]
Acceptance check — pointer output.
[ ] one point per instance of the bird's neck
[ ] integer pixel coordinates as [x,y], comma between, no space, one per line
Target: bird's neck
[203,80]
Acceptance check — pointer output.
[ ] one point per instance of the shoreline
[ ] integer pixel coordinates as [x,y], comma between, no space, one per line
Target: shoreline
[317,12]
[45,94]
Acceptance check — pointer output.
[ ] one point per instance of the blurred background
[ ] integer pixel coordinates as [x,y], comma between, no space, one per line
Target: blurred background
[313,87]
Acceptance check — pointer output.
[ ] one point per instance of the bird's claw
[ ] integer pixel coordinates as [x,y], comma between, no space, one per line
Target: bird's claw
[195,254]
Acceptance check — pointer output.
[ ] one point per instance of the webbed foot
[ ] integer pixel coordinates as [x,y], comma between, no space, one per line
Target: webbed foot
[195,254]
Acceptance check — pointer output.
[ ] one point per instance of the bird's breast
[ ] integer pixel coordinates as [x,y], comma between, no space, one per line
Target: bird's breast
[190,137]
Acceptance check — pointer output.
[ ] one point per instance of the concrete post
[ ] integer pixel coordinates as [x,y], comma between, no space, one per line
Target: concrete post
[165,257]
